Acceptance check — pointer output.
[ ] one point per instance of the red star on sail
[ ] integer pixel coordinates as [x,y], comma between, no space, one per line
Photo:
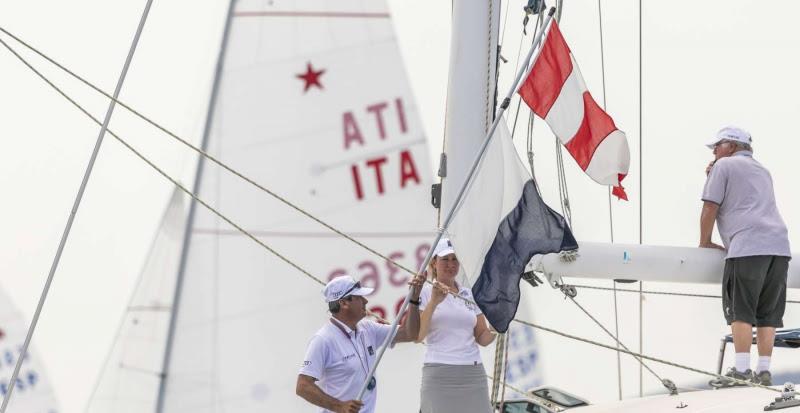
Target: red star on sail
[311,77]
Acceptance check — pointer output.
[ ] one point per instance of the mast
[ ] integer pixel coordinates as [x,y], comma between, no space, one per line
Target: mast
[162,387]
[470,89]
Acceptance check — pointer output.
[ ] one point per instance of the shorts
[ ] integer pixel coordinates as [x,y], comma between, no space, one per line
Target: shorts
[754,290]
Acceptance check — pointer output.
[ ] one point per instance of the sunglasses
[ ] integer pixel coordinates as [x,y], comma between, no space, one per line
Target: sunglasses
[372,383]
[351,289]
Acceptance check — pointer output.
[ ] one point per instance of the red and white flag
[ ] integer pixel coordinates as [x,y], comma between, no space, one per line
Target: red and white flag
[556,92]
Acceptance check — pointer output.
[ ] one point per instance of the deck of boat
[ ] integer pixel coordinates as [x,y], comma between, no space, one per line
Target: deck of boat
[733,400]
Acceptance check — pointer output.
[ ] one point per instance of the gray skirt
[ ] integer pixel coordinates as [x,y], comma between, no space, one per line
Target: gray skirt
[454,389]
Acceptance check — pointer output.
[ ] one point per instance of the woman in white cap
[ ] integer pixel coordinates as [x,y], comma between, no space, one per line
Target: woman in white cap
[453,377]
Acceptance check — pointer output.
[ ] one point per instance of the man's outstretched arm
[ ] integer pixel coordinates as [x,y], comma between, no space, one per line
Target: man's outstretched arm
[707,218]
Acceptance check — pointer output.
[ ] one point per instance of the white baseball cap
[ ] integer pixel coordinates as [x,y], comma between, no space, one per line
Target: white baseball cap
[343,286]
[443,247]
[731,133]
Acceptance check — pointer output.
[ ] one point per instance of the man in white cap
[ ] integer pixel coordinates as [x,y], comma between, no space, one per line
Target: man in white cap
[342,352]
[738,195]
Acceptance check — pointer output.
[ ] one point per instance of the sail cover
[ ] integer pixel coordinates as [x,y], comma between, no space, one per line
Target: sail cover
[313,104]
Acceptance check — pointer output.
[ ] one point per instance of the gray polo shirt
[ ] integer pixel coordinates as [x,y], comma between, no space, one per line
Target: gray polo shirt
[748,220]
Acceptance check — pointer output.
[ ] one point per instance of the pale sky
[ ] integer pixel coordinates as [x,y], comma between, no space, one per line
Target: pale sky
[720,62]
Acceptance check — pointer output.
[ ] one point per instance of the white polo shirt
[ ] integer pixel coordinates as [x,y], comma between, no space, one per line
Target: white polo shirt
[451,334]
[340,359]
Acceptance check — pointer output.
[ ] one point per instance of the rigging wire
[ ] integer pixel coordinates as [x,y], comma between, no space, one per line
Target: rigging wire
[178,185]
[610,211]
[505,24]
[208,156]
[185,143]
[643,356]
[517,63]
[616,333]
[311,276]
[285,259]
[641,205]
[619,343]
[162,173]
[7,394]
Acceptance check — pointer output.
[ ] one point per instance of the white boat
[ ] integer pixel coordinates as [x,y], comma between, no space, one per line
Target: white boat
[587,200]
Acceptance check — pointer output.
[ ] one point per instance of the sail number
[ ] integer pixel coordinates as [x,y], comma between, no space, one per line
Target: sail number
[384,119]
[27,380]
[379,274]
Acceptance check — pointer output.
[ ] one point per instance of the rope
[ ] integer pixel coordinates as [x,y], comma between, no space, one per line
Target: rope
[643,356]
[563,192]
[184,189]
[591,287]
[303,271]
[529,150]
[186,143]
[7,394]
[499,352]
[160,171]
[637,355]
[505,367]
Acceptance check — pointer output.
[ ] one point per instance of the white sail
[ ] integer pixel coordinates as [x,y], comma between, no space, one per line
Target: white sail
[33,392]
[314,104]
[130,378]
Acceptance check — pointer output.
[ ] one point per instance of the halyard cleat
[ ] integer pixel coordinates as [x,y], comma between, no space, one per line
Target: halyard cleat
[763,378]
[732,373]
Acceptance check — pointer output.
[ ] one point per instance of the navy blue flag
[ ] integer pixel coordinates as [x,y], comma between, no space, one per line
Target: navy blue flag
[501,223]
[531,228]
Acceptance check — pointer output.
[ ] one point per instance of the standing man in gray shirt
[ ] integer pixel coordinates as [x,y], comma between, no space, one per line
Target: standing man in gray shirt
[738,195]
